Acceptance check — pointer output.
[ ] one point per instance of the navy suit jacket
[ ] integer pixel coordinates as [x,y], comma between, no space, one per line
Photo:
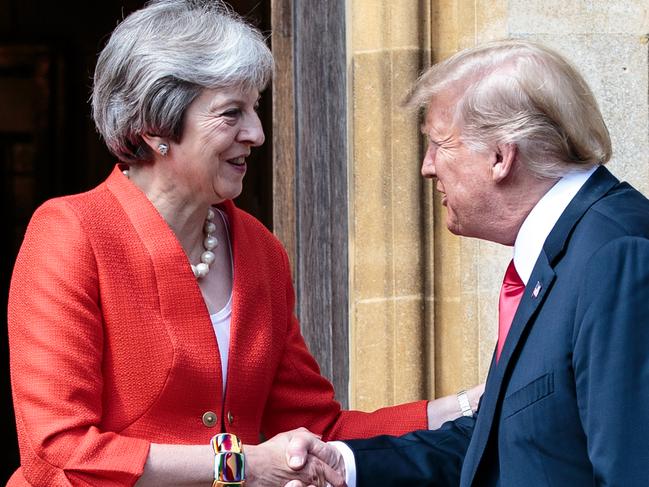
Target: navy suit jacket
[567,402]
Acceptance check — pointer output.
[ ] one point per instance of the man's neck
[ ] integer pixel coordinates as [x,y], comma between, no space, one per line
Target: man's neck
[518,199]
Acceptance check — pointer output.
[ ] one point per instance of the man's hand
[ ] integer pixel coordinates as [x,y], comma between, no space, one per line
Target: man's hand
[303,446]
[285,460]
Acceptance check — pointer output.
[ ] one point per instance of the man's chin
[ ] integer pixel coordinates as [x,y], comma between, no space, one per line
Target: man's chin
[453,227]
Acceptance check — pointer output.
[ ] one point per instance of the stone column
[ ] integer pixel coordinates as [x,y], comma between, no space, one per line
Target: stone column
[389,258]
[468,271]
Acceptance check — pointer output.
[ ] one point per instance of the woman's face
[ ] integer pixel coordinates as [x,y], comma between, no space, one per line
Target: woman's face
[220,127]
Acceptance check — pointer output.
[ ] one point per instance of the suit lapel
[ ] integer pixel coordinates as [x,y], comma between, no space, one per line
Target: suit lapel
[535,291]
[182,307]
[252,318]
[538,286]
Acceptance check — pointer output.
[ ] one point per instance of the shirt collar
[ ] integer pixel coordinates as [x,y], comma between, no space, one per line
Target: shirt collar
[540,221]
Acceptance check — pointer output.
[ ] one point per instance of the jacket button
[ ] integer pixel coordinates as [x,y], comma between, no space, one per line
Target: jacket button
[209,419]
[230,417]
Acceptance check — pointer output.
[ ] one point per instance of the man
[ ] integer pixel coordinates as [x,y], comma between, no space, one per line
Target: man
[517,145]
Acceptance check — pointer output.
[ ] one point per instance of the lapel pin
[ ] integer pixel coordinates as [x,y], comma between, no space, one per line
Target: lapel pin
[537,289]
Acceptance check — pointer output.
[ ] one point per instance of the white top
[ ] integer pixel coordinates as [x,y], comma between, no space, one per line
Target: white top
[221,325]
[527,248]
[221,319]
[542,219]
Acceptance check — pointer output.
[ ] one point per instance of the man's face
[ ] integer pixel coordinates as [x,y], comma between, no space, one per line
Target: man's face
[464,177]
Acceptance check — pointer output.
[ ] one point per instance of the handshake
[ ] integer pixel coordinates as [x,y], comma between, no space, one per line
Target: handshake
[296,458]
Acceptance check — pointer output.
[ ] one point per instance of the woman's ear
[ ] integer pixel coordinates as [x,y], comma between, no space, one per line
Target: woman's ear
[503,163]
[157,144]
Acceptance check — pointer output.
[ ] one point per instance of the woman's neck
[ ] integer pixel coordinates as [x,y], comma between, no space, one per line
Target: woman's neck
[183,213]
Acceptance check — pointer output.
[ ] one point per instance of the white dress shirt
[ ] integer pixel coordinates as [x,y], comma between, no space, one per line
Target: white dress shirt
[542,219]
[527,248]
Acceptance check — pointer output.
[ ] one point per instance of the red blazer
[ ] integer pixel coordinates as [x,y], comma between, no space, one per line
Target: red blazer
[112,347]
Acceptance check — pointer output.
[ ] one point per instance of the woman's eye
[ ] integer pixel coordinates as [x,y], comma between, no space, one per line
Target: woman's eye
[232,113]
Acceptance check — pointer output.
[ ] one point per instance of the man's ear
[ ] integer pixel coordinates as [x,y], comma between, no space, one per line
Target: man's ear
[503,163]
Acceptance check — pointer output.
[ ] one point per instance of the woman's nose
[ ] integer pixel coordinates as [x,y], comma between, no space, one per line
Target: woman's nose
[252,133]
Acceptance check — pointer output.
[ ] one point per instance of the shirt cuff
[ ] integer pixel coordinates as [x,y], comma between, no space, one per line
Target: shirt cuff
[348,458]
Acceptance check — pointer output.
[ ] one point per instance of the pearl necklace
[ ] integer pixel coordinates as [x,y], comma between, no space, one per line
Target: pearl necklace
[210,242]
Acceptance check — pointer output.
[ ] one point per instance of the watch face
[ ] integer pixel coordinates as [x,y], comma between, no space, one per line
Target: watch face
[229,467]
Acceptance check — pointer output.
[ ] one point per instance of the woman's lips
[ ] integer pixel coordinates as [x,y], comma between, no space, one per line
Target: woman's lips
[238,163]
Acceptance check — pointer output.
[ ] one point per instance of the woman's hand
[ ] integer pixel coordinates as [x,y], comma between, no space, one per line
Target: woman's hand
[290,458]
[448,408]
[474,394]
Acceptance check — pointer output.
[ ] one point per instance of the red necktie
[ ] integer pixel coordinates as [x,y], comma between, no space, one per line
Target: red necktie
[510,295]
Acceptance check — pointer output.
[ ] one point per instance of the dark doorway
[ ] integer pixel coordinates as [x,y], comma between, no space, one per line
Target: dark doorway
[48,144]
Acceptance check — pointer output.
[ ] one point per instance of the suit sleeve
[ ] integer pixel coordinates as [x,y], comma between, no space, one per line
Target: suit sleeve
[423,458]
[301,397]
[611,362]
[55,337]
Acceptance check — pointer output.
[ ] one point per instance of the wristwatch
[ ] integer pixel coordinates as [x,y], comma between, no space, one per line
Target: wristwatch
[229,462]
[465,405]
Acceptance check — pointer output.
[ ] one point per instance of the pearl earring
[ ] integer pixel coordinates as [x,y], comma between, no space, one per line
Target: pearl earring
[163,149]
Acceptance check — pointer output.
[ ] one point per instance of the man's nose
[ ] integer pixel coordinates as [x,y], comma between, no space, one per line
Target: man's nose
[428,165]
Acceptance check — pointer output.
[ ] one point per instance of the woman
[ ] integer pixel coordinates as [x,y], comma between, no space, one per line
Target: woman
[150,313]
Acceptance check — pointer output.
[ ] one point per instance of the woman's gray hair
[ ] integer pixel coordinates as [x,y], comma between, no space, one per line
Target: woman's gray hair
[160,58]
[523,93]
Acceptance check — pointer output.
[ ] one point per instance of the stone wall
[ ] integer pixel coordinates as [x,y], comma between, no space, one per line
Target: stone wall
[423,303]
